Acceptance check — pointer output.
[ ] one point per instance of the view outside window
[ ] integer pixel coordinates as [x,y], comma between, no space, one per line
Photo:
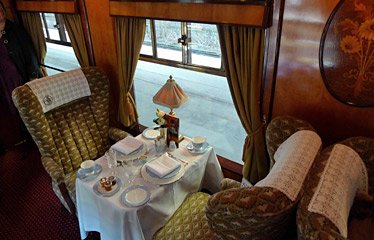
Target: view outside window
[205,46]
[167,34]
[209,110]
[60,55]
[184,44]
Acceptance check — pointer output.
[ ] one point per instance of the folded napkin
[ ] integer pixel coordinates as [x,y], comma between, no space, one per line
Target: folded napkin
[127,145]
[163,165]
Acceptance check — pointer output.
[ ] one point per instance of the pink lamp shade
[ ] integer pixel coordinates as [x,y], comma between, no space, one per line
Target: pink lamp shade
[170,95]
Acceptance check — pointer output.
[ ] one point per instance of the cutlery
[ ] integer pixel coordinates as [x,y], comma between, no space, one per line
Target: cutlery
[181,160]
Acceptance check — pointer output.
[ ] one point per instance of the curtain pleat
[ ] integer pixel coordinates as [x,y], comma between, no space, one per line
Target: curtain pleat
[33,25]
[74,27]
[130,35]
[243,57]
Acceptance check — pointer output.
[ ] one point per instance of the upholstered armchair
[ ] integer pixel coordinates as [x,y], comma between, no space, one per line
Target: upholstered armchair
[314,226]
[237,212]
[70,133]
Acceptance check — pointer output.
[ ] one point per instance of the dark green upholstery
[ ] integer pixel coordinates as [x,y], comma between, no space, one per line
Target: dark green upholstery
[189,221]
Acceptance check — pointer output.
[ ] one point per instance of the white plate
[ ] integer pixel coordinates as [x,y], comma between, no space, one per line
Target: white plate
[150,133]
[201,150]
[170,178]
[99,190]
[90,176]
[135,196]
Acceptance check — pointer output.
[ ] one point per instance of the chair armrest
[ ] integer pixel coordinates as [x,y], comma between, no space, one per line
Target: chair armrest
[117,134]
[363,206]
[250,212]
[53,169]
[228,183]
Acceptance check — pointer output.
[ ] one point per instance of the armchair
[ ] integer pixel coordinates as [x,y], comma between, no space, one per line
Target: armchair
[316,226]
[227,214]
[70,133]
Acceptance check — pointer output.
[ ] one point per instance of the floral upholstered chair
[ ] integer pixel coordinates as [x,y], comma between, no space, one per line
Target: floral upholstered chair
[239,212]
[71,133]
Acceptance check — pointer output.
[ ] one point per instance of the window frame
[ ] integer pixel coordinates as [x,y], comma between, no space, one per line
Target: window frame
[60,25]
[186,61]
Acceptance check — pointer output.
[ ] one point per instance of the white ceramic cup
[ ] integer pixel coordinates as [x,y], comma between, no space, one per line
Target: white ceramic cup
[198,142]
[88,166]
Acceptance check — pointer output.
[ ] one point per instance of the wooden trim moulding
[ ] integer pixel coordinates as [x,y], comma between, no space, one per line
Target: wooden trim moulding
[236,14]
[46,6]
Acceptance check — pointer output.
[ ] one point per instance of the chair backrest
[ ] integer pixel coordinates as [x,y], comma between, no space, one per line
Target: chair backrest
[279,129]
[73,132]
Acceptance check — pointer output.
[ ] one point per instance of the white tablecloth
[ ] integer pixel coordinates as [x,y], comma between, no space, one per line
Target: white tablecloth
[115,222]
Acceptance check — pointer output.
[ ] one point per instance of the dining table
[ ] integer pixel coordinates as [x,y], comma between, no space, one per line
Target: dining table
[115,220]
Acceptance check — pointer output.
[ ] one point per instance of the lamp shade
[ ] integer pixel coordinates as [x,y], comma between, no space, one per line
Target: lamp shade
[170,95]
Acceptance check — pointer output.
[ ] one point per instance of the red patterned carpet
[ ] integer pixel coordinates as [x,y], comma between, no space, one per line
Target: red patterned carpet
[28,207]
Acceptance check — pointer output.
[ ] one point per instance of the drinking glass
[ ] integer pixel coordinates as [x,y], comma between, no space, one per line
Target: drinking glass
[130,170]
[111,159]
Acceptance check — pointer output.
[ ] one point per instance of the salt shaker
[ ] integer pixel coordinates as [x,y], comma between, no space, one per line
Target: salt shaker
[172,146]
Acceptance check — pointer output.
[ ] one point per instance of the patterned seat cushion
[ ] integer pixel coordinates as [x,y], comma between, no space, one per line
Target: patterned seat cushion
[312,225]
[189,221]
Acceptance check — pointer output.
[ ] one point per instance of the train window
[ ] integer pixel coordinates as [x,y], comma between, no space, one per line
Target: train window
[183,44]
[191,53]
[60,54]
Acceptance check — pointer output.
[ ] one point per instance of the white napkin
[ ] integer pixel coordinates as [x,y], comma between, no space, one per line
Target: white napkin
[163,165]
[127,145]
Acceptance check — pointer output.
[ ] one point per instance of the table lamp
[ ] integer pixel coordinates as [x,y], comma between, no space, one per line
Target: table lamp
[170,95]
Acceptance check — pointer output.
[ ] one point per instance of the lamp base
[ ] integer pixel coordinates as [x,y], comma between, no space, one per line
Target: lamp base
[171,113]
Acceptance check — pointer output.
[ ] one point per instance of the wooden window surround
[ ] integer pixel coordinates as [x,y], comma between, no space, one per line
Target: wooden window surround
[48,7]
[251,13]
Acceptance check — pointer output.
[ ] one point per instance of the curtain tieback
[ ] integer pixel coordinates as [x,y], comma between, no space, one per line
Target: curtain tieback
[129,107]
[250,137]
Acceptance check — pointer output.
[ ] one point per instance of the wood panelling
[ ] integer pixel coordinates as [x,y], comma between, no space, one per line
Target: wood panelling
[243,14]
[10,13]
[104,46]
[299,89]
[45,6]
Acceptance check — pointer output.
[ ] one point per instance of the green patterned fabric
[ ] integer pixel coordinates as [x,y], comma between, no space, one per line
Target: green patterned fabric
[188,222]
[228,183]
[313,226]
[117,134]
[71,133]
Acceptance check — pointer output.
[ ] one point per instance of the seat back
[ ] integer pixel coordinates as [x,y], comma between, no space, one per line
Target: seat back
[73,132]
[279,129]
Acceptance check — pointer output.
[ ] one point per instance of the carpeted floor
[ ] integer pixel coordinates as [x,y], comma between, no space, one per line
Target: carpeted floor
[28,207]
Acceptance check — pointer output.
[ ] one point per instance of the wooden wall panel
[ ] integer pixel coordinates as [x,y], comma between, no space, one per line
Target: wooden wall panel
[300,90]
[104,46]
[243,14]
[44,6]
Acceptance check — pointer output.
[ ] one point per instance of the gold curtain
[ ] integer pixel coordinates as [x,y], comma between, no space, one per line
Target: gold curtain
[74,27]
[243,57]
[130,35]
[33,25]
